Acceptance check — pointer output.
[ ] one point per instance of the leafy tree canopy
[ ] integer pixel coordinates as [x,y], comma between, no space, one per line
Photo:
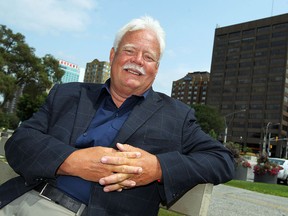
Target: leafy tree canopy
[21,69]
[8,120]
[28,104]
[209,119]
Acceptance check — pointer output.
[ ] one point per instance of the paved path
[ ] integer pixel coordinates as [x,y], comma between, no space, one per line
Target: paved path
[231,201]
[2,143]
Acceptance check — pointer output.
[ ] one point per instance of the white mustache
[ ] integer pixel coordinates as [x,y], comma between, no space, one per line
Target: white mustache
[136,67]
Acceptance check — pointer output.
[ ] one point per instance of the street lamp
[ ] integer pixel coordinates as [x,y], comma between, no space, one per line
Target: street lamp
[226,126]
[242,144]
[265,136]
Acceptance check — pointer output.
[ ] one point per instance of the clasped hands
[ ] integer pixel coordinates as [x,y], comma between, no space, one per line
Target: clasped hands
[116,170]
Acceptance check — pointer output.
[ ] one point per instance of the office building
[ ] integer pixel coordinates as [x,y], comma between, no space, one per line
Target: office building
[97,71]
[249,82]
[192,88]
[72,71]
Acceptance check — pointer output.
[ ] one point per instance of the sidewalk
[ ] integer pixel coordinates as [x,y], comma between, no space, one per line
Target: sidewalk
[232,201]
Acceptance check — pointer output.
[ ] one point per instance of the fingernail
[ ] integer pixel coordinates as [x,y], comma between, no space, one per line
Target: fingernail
[106,189]
[140,170]
[138,154]
[133,184]
[121,145]
[101,182]
[103,160]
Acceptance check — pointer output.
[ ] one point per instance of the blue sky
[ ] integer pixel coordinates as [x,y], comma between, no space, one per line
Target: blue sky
[79,31]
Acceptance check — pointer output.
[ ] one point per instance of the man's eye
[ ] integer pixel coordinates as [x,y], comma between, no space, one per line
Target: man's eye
[129,52]
[148,58]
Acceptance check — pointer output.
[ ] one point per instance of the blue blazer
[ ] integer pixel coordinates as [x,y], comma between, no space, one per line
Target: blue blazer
[160,125]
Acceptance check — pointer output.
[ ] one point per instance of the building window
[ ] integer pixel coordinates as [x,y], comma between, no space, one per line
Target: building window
[263,29]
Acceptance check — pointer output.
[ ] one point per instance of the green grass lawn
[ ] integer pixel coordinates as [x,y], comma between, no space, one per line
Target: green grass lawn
[272,189]
[164,212]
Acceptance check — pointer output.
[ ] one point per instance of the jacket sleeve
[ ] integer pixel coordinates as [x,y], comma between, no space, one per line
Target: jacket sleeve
[202,160]
[31,151]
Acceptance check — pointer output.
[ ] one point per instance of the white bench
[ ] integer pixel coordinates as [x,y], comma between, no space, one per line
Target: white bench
[195,202]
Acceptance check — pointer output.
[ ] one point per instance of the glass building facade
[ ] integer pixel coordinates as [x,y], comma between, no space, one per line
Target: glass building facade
[72,71]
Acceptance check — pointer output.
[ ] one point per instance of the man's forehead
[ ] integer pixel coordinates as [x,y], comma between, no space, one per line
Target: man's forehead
[128,41]
[142,34]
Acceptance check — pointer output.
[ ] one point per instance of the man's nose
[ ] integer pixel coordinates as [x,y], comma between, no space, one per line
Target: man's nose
[138,59]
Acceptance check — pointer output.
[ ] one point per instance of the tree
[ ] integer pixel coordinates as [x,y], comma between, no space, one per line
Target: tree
[28,104]
[209,119]
[8,120]
[51,67]
[21,69]
[7,88]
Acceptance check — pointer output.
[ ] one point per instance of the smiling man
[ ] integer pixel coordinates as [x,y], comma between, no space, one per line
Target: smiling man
[113,149]
[134,64]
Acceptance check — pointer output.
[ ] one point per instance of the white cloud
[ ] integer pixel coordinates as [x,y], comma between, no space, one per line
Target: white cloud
[47,16]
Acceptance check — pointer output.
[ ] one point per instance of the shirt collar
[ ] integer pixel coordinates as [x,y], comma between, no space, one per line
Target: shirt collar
[106,87]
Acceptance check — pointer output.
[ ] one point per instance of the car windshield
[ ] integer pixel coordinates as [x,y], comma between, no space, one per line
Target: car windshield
[276,161]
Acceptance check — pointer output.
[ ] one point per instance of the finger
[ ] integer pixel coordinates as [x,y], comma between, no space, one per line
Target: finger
[117,161]
[127,169]
[113,179]
[119,168]
[120,147]
[114,160]
[114,187]
[116,179]
[127,184]
[126,148]
[130,154]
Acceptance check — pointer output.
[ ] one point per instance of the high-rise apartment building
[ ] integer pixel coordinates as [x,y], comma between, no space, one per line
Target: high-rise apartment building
[97,71]
[192,88]
[249,71]
[72,71]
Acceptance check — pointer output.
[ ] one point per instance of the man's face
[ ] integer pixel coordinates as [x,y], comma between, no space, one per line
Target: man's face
[135,63]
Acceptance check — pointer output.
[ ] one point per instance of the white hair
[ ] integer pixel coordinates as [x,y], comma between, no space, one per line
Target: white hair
[145,22]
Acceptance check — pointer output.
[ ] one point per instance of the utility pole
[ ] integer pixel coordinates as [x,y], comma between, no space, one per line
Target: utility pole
[226,126]
[265,140]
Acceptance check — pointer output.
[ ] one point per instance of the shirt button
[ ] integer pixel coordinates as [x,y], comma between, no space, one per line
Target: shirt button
[85,134]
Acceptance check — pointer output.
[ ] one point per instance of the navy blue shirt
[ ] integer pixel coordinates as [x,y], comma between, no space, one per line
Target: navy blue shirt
[103,129]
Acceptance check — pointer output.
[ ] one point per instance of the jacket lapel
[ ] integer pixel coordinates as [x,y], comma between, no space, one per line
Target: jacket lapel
[86,109]
[140,114]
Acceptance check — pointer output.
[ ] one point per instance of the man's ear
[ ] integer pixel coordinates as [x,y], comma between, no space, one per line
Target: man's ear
[112,54]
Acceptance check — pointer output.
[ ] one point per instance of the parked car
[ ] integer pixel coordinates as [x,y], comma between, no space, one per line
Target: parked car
[283,173]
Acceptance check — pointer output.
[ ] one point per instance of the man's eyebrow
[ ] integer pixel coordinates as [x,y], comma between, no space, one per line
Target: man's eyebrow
[133,46]
[129,45]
